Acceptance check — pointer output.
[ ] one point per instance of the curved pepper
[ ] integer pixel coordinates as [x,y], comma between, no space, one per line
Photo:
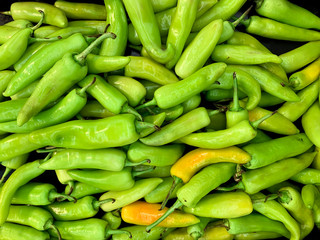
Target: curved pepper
[310,124]
[17,231]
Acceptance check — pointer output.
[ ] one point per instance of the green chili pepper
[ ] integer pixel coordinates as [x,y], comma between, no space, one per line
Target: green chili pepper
[195,120]
[44,31]
[64,110]
[269,28]
[113,218]
[10,109]
[19,177]
[65,179]
[80,190]
[13,163]
[38,194]
[253,181]
[191,193]
[255,222]
[265,153]
[275,211]
[19,23]
[307,176]
[294,110]
[269,82]
[275,188]
[171,113]
[162,5]
[69,70]
[104,64]
[85,207]
[9,54]
[15,145]
[43,60]
[82,10]
[5,78]
[17,231]
[134,91]
[242,132]
[178,234]
[111,159]
[157,120]
[122,198]
[224,10]
[310,124]
[85,229]
[205,5]
[309,195]
[194,56]
[146,68]
[94,109]
[173,94]
[301,56]
[180,27]
[287,12]
[143,19]
[99,25]
[107,180]
[235,204]
[191,103]
[159,194]
[117,18]
[32,216]
[158,155]
[291,199]
[138,232]
[29,11]
[247,84]
[7,32]
[109,96]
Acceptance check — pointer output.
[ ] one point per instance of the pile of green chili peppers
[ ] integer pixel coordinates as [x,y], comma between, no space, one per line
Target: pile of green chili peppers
[147,119]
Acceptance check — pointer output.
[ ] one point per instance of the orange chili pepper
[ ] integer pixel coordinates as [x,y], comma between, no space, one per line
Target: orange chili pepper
[143,213]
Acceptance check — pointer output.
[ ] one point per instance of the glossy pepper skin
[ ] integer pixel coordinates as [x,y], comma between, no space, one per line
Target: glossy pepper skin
[309,123]
[89,134]
[143,19]
[29,11]
[17,231]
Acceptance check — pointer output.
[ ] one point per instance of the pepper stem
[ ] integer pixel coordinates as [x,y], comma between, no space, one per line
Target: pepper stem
[53,195]
[131,164]
[239,185]
[240,19]
[6,13]
[284,196]
[33,40]
[176,205]
[5,174]
[266,198]
[82,91]
[176,181]
[81,57]
[96,204]
[152,102]
[49,224]
[138,173]
[256,123]
[40,21]
[235,105]
[143,125]
[128,109]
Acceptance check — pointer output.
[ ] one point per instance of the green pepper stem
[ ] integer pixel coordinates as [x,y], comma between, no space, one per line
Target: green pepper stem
[138,173]
[143,125]
[53,195]
[82,91]
[33,40]
[256,123]
[128,109]
[56,230]
[117,231]
[131,164]
[6,13]
[176,181]
[235,105]
[152,102]
[266,198]
[240,19]
[284,196]
[5,174]
[96,204]
[239,185]
[40,21]
[81,57]
[176,205]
